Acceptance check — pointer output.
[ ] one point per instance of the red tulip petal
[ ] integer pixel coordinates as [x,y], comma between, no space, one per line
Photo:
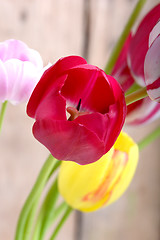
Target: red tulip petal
[49,78]
[69,141]
[139,44]
[95,122]
[90,84]
[53,105]
[106,126]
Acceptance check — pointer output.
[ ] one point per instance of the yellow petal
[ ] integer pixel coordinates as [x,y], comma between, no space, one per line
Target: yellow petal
[92,186]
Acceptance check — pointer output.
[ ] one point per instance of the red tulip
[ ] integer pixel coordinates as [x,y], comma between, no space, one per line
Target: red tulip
[79,110]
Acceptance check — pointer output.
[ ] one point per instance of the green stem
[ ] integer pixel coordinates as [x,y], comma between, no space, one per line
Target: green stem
[132,89]
[149,138]
[117,49]
[62,207]
[61,222]
[32,198]
[135,96]
[2,112]
[31,217]
[46,210]
[37,233]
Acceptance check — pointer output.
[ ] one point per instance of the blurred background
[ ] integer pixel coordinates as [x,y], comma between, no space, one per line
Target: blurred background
[59,28]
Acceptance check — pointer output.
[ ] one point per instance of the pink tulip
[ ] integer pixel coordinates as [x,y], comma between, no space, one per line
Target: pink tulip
[20,70]
[79,110]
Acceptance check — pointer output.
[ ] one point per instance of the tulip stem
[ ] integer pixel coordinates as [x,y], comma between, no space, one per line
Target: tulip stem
[117,49]
[132,89]
[31,216]
[23,229]
[149,138]
[2,112]
[61,222]
[46,211]
[135,96]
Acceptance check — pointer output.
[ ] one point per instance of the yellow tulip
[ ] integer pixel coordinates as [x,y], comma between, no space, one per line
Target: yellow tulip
[89,187]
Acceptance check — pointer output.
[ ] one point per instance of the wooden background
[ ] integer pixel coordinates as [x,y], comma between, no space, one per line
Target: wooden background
[58,28]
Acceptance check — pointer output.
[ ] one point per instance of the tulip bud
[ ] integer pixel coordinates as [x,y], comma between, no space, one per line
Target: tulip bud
[90,187]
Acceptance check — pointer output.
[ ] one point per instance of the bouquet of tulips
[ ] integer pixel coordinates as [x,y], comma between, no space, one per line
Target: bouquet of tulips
[79,113]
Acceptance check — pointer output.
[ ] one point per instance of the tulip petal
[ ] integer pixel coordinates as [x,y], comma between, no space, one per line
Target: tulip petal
[95,122]
[49,78]
[72,181]
[68,140]
[152,70]
[54,104]
[3,82]
[106,179]
[98,124]
[154,33]
[90,85]
[21,77]
[15,49]
[139,44]
[126,166]
[150,110]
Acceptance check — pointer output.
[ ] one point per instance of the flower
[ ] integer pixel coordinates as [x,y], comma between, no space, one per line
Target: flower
[139,44]
[152,64]
[79,110]
[150,109]
[129,68]
[106,179]
[20,70]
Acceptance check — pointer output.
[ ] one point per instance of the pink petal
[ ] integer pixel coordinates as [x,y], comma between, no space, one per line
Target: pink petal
[154,33]
[68,141]
[22,78]
[152,70]
[3,82]
[139,44]
[15,49]
[49,78]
